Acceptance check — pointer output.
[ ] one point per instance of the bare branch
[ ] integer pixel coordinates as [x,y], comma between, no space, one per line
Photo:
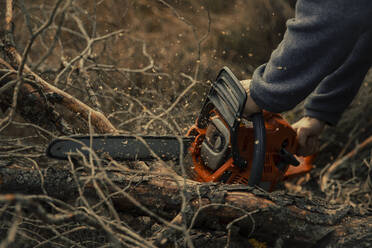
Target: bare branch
[8,15]
[331,168]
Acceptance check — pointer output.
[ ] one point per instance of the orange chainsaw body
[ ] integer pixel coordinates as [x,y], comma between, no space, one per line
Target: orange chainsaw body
[279,133]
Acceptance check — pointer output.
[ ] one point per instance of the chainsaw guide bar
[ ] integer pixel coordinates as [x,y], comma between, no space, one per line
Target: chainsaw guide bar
[121,147]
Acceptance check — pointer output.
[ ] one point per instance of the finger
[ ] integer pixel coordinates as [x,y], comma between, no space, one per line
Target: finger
[296,125]
[301,151]
[304,151]
[316,145]
[302,135]
[313,144]
[310,147]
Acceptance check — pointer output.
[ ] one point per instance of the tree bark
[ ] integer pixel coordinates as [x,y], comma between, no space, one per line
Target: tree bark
[32,104]
[277,218]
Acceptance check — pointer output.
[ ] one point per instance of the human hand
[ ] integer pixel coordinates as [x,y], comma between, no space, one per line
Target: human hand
[308,130]
[250,106]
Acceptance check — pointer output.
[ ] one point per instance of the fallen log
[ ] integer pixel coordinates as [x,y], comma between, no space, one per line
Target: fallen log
[276,218]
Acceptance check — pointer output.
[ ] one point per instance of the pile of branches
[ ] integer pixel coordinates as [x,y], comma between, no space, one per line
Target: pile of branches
[86,203]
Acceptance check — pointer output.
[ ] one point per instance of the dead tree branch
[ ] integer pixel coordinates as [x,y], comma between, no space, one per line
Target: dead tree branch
[331,168]
[99,121]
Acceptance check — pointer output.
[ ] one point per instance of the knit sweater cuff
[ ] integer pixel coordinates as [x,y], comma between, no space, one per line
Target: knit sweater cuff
[328,117]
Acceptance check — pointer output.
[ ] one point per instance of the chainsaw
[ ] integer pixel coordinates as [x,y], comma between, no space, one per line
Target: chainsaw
[224,146]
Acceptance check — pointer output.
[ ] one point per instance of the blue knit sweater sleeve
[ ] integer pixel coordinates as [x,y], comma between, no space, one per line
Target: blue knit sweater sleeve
[326,52]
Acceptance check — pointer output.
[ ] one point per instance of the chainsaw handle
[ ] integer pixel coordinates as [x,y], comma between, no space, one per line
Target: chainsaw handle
[259,149]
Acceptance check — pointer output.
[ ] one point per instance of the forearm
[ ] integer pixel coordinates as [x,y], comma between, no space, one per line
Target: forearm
[317,42]
[335,92]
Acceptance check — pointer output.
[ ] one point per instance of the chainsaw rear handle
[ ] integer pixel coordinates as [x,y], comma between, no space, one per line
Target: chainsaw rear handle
[259,149]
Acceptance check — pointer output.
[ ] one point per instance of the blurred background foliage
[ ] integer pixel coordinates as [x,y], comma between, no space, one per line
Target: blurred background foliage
[161,40]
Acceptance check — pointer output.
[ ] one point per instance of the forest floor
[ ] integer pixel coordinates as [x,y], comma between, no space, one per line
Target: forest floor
[151,79]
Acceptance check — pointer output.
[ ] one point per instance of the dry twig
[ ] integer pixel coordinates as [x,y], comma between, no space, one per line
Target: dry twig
[331,168]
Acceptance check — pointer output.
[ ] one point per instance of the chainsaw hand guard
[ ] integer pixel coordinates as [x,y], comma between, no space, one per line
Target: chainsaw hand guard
[259,149]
